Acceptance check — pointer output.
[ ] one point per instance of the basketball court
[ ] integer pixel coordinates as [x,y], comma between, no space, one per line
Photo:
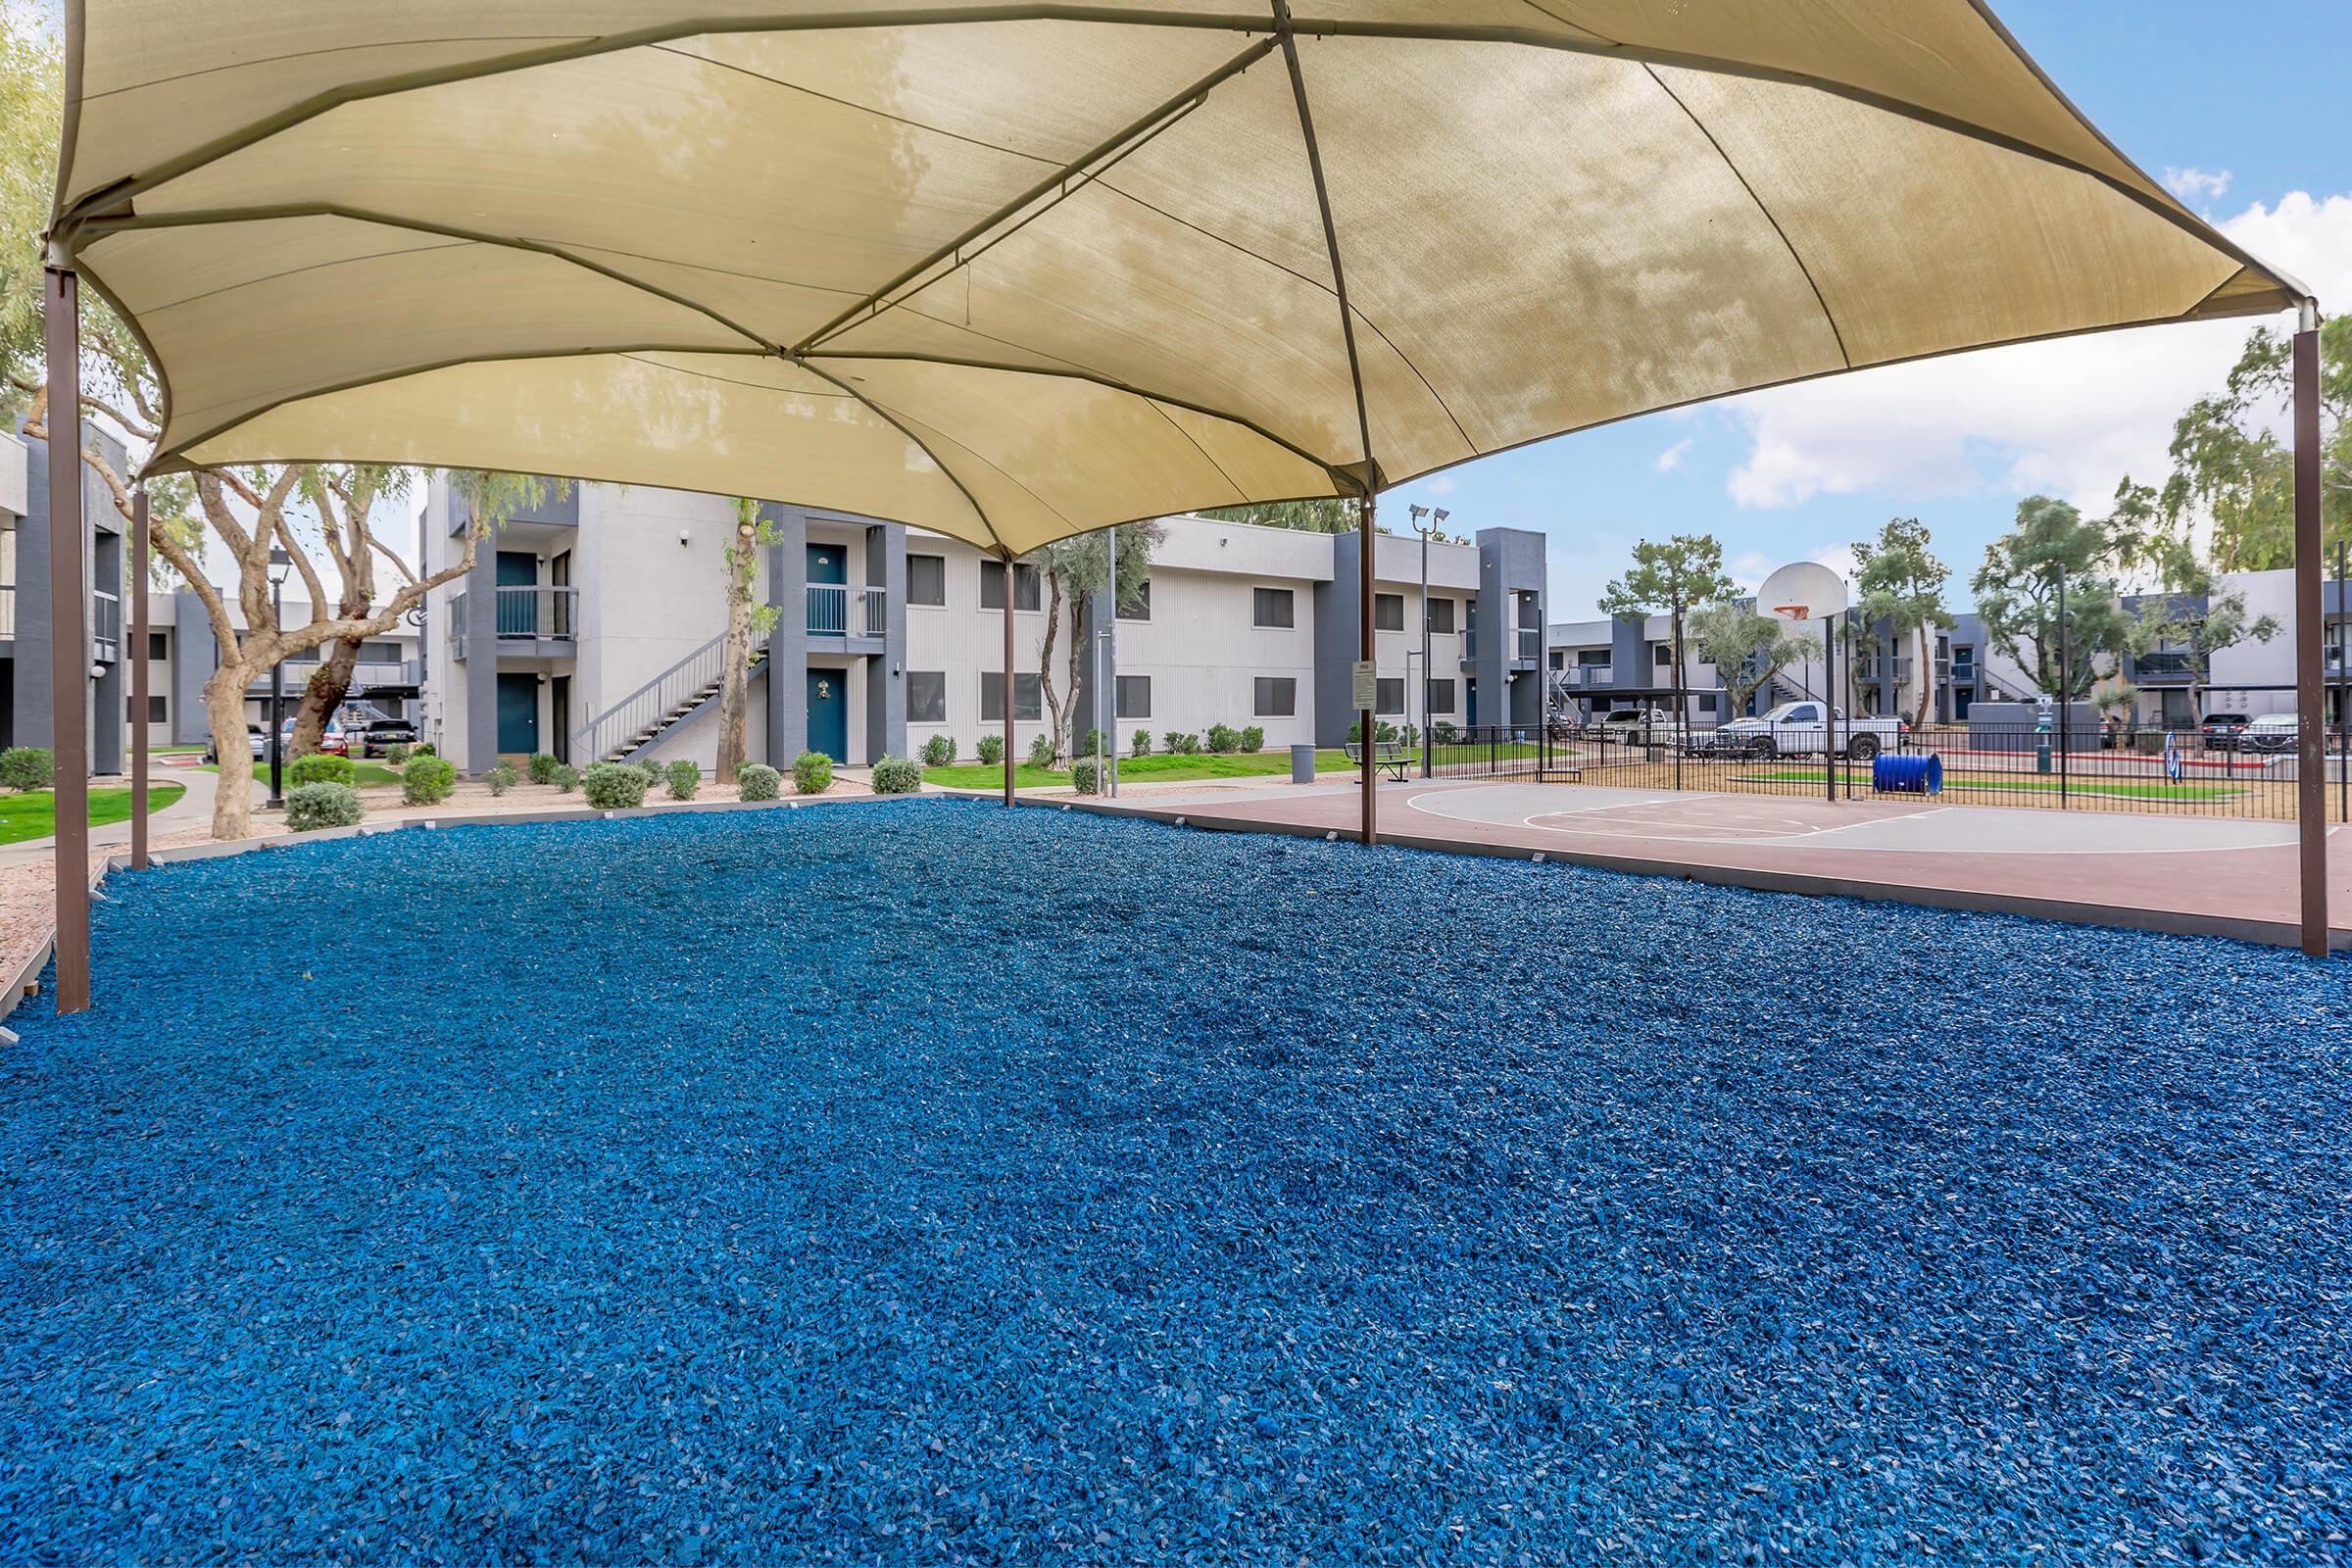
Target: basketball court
[2204,875]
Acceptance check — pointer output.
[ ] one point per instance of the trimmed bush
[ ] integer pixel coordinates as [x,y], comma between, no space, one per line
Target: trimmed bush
[567,777]
[758,782]
[543,768]
[427,780]
[1085,776]
[684,779]
[812,773]
[1224,739]
[992,748]
[424,748]
[655,772]
[396,752]
[320,767]
[939,750]
[501,778]
[1253,738]
[27,767]
[1089,741]
[614,786]
[1040,752]
[897,775]
[1172,742]
[1143,742]
[327,803]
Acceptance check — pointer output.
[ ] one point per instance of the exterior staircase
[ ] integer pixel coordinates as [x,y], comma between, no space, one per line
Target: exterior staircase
[659,706]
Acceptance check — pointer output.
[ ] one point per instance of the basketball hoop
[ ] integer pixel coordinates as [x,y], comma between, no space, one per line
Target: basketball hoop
[1795,612]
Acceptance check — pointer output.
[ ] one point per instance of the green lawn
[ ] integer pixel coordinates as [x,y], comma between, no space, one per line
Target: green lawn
[2031,783]
[363,774]
[33,814]
[1163,769]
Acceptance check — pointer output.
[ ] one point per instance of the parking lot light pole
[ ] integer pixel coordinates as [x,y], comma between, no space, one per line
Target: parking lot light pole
[1425,522]
[279,564]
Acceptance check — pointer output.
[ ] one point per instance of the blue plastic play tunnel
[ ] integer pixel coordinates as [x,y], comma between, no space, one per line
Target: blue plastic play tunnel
[1895,773]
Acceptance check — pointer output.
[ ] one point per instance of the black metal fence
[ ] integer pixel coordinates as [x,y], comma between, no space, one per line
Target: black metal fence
[2248,774]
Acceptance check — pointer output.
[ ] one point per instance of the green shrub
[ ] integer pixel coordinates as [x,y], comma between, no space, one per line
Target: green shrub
[396,752]
[939,750]
[684,779]
[1143,742]
[1172,742]
[1442,732]
[1090,743]
[311,806]
[501,778]
[757,781]
[1085,776]
[543,767]
[567,777]
[424,748]
[1224,739]
[655,772]
[27,767]
[1040,752]
[992,748]
[614,786]
[812,773]
[320,767]
[1253,738]
[897,775]
[427,780]
[1185,743]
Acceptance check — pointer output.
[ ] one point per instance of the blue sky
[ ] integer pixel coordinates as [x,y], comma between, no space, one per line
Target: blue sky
[2253,91]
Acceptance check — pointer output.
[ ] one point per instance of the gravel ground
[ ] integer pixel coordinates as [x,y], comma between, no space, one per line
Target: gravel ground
[920,1184]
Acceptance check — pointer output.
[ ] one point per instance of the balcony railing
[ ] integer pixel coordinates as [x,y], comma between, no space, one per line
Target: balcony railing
[1531,642]
[365,672]
[2163,665]
[835,610]
[1582,675]
[1881,668]
[106,624]
[527,612]
[8,609]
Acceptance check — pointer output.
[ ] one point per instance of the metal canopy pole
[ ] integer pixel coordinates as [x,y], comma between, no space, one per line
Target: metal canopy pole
[1008,574]
[2311,744]
[69,636]
[138,679]
[1107,777]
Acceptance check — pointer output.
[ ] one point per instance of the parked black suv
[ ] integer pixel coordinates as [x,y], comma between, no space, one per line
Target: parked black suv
[382,733]
[2222,731]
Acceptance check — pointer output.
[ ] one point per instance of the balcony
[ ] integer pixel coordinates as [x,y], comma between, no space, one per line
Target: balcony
[106,626]
[1879,668]
[2169,667]
[1531,643]
[364,673]
[8,609]
[1577,676]
[835,610]
[532,611]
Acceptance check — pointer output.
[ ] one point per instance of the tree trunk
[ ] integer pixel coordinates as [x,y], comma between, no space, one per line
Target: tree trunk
[330,684]
[1057,702]
[735,658]
[224,710]
[1926,675]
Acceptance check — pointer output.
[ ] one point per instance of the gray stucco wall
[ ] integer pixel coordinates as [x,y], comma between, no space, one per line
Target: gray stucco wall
[1510,561]
[195,653]
[481,667]
[1339,617]
[788,644]
[886,675]
[32,715]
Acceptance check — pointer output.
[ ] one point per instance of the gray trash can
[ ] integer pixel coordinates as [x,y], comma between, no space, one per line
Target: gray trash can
[1302,764]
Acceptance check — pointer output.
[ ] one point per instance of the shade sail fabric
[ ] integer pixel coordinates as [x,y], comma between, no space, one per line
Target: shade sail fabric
[1015,272]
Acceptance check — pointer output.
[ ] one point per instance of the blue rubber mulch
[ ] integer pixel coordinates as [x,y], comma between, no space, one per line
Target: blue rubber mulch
[923,1183]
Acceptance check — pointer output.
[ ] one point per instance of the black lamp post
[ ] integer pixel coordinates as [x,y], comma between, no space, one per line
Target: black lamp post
[279,564]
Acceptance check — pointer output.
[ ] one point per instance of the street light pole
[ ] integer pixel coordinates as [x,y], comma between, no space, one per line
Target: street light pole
[279,562]
[1425,522]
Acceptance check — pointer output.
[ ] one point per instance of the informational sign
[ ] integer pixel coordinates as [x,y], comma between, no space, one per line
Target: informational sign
[1367,685]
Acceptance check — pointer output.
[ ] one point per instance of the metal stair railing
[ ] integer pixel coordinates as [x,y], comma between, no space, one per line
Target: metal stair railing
[654,706]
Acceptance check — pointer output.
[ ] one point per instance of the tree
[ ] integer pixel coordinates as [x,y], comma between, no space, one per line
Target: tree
[1330,514]
[2230,464]
[1902,583]
[2017,595]
[1746,646]
[2192,622]
[746,623]
[1074,571]
[1672,576]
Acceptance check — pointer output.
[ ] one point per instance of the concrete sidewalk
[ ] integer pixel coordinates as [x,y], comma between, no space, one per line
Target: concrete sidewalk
[192,809]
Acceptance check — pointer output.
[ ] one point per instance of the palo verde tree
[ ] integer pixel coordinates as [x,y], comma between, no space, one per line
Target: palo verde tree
[747,625]
[1901,582]
[1671,576]
[1746,646]
[1074,571]
[2230,463]
[2017,591]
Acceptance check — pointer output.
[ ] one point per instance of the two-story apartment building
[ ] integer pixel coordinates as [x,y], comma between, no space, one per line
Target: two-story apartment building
[592,626]
[27,691]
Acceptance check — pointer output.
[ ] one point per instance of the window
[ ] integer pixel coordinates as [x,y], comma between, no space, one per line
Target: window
[1661,655]
[1277,698]
[1028,704]
[379,653]
[992,586]
[1270,606]
[159,646]
[1388,611]
[1707,701]
[155,709]
[1593,659]
[1440,695]
[1136,606]
[1134,697]
[1389,696]
[927,694]
[1441,614]
[927,580]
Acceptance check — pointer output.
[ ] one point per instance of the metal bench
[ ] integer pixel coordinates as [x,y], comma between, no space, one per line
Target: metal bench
[1391,755]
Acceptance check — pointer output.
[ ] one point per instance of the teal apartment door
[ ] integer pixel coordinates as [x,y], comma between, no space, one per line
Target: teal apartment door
[829,713]
[518,613]
[518,714]
[828,593]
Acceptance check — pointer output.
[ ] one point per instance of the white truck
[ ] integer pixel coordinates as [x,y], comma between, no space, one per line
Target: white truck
[1797,729]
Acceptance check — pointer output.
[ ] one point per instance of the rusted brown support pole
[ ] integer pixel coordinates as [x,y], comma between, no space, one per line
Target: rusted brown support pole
[1371,773]
[1008,575]
[2311,738]
[69,637]
[138,681]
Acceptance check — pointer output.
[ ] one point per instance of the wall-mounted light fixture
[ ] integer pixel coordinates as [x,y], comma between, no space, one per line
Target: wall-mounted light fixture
[684,537]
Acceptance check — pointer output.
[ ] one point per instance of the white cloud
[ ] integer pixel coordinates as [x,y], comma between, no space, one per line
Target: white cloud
[1672,457]
[2196,185]
[2067,418]
[1439,485]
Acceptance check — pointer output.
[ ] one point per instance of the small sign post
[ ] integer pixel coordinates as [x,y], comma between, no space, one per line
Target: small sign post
[1366,690]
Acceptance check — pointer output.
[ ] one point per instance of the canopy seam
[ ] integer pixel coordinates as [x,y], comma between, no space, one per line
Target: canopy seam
[970,500]
[1794,255]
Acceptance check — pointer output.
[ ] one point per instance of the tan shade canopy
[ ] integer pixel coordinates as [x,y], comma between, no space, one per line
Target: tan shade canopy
[1015,272]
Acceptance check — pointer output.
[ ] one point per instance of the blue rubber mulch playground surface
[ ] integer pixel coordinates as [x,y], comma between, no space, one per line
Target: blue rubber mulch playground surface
[923,1183]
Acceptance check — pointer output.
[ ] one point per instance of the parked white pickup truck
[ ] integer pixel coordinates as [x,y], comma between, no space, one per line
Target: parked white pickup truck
[1795,729]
